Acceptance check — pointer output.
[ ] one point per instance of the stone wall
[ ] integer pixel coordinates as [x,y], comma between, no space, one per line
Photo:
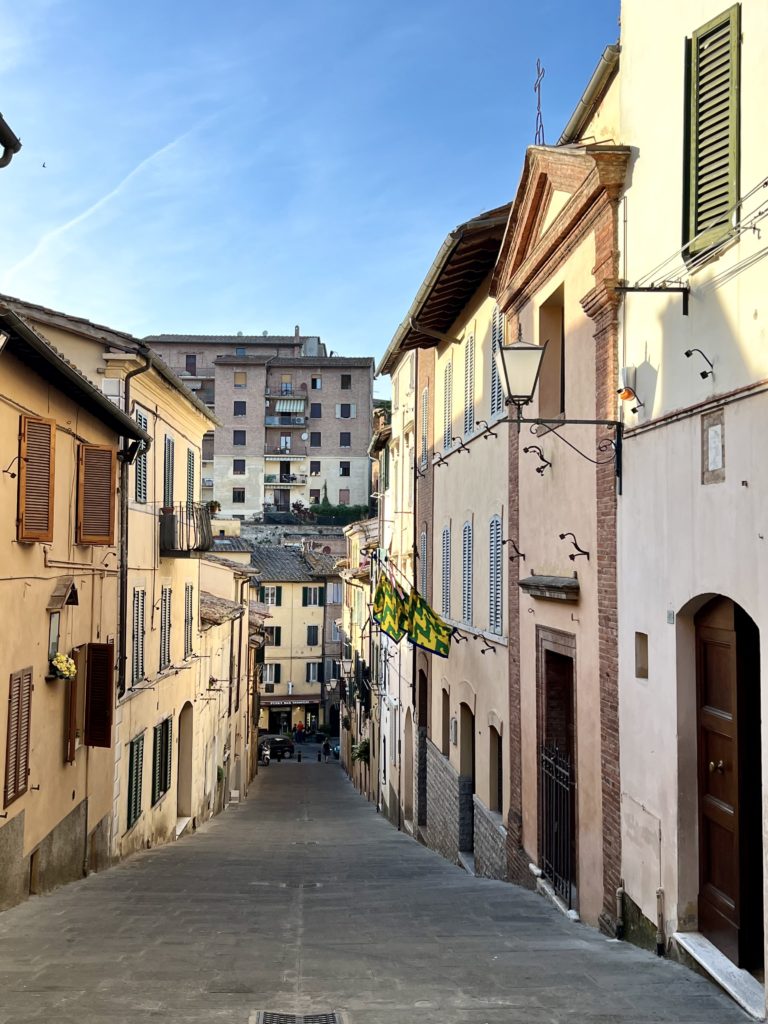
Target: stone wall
[442,830]
[490,843]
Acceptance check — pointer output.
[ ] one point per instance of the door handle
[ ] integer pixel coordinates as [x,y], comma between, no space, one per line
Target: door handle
[717,767]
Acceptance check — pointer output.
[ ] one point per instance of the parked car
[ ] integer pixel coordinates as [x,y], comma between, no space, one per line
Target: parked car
[279,746]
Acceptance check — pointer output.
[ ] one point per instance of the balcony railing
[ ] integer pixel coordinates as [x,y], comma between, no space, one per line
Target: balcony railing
[185,529]
[285,421]
[276,389]
[294,452]
[285,478]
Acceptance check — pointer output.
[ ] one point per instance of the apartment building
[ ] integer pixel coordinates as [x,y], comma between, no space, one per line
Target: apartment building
[295,421]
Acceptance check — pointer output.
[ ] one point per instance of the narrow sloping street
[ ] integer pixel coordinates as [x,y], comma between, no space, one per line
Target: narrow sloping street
[303,900]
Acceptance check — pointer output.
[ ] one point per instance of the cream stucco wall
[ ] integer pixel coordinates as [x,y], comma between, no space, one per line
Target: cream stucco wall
[679,538]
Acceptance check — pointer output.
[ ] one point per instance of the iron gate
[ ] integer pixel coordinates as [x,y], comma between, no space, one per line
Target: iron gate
[556,794]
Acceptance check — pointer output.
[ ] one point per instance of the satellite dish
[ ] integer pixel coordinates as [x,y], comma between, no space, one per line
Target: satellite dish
[304,436]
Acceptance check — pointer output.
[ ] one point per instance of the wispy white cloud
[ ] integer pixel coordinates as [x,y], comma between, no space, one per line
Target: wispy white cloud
[47,241]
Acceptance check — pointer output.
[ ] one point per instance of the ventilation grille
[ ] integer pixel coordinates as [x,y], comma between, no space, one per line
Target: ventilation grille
[292,1018]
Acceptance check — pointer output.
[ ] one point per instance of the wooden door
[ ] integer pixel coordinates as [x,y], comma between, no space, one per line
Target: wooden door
[730,846]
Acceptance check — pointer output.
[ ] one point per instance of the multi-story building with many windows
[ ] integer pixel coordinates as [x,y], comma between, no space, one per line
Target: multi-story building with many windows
[295,421]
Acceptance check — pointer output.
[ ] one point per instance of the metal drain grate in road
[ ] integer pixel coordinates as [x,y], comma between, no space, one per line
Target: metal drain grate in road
[292,1018]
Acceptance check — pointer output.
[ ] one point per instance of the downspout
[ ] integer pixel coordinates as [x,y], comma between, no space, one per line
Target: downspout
[244,765]
[123,549]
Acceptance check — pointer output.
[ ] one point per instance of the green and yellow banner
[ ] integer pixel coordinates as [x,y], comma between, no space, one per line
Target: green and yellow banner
[425,627]
[389,609]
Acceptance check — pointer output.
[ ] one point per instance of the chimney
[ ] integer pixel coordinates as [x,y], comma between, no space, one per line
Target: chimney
[296,331]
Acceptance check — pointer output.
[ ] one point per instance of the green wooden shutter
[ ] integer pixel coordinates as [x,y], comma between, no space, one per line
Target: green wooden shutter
[135,767]
[714,130]
[278,596]
[157,760]
[308,673]
[278,635]
[320,672]
[304,596]
[261,594]
[168,754]
[276,675]
[321,597]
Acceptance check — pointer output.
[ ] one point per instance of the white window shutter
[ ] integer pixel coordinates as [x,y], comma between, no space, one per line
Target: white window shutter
[446,605]
[466,574]
[424,437]
[495,593]
[423,562]
[469,386]
[338,412]
[353,411]
[447,406]
[497,339]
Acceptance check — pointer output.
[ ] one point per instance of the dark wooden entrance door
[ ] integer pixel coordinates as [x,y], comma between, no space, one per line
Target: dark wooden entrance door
[730,835]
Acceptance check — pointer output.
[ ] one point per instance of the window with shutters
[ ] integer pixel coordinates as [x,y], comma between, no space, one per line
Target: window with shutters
[469,386]
[274,635]
[424,433]
[314,671]
[190,476]
[466,573]
[312,633]
[271,673]
[165,627]
[140,465]
[313,596]
[271,595]
[447,406]
[99,694]
[135,767]
[162,758]
[189,607]
[497,340]
[17,746]
[168,468]
[423,562]
[334,593]
[96,465]
[37,456]
[495,605]
[713,129]
[446,581]
[317,384]
[139,631]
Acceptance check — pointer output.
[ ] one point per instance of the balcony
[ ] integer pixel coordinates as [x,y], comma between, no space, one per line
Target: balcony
[291,479]
[285,421]
[276,389]
[185,530]
[272,451]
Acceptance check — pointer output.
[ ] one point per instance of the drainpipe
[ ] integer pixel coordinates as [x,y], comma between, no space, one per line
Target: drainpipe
[660,943]
[123,550]
[246,747]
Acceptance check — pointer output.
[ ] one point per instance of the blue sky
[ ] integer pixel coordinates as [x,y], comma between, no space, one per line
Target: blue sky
[248,165]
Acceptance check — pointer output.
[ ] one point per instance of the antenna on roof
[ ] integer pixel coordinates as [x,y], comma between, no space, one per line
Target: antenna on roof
[239,334]
[540,72]
[265,334]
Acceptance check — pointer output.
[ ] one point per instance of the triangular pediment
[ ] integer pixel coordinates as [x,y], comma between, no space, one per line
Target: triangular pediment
[557,188]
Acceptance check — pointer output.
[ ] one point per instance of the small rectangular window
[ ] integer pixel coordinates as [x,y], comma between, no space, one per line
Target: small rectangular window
[346,382]
[238,495]
[313,597]
[239,408]
[314,671]
[238,467]
[239,350]
[53,635]
[344,411]
[190,363]
[641,655]
[344,468]
[315,439]
[315,410]
[273,635]
[312,636]
[317,383]
[345,439]
[344,496]
[314,496]
[314,468]
[241,379]
[238,437]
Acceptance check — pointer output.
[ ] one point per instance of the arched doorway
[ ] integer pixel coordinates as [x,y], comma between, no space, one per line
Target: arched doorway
[184,773]
[467,779]
[408,768]
[730,904]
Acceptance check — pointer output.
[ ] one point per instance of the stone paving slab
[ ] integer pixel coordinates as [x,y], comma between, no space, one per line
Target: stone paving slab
[303,899]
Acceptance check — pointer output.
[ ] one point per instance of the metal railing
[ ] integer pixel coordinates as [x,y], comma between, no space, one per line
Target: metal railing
[285,478]
[284,421]
[185,528]
[279,390]
[556,796]
[294,452]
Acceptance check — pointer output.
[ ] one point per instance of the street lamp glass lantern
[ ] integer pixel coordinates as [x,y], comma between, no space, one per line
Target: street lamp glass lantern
[519,366]
[346,666]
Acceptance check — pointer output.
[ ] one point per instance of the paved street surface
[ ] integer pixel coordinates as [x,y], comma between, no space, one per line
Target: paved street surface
[304,900]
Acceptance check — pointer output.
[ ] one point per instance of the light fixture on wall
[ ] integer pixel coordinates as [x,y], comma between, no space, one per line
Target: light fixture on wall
[702,373]
[626,389]
[519,367]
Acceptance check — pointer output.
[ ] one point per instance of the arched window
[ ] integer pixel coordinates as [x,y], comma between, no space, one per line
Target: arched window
[495,577]
[466,574]
[446,588]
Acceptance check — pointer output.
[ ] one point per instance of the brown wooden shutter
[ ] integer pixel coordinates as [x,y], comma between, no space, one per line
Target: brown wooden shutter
[99,699]
[17,749]
[96,494]
[70,734]
[37,450]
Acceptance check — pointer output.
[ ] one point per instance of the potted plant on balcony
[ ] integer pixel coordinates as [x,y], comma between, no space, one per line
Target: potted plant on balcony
[214,507]
[62,666]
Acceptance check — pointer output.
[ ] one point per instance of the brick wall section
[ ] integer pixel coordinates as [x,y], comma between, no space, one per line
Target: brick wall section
[490,843]
[442,831]
[602,305]
[466,815]
[517,858]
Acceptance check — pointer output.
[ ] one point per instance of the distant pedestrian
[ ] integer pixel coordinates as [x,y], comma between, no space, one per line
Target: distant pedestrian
[326,750]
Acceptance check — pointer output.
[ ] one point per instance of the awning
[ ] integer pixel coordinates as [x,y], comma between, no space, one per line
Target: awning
[289,405]
[65,592]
